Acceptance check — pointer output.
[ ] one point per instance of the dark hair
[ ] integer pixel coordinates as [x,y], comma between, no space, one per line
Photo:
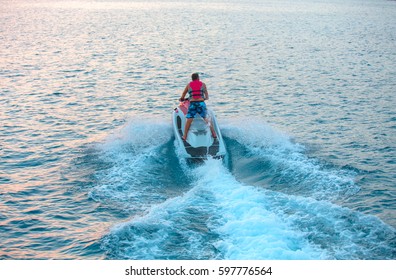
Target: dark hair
[195,76]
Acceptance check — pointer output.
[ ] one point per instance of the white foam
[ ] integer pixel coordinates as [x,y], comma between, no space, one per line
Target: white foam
[217,218]
[257,135]
[128,154]
[248,228]
[220,217]
[302,175]
[170,230]
[139,133]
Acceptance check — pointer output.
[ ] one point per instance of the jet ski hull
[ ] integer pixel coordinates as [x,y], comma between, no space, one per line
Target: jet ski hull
[200,143]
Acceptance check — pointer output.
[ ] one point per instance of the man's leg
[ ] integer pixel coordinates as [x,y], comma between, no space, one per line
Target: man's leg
[187,128]
[207,120]
[204,115]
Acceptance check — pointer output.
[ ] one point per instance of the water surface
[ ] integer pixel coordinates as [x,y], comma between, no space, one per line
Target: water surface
[304,94]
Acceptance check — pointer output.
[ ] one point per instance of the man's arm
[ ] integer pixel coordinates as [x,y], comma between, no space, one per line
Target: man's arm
[206,92]
[184,93]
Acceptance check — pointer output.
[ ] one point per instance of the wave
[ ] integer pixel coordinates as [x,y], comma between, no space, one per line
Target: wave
[267,157]
[268,201]
[138,166]
[220,218]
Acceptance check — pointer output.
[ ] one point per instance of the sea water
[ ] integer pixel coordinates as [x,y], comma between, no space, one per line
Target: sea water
[304,92]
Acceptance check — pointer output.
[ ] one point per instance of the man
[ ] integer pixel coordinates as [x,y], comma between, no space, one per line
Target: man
[197,95]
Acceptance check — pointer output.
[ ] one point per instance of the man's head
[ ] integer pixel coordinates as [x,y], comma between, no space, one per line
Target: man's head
[195,76]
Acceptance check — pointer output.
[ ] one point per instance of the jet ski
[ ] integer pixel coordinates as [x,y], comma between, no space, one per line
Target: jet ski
[200,144]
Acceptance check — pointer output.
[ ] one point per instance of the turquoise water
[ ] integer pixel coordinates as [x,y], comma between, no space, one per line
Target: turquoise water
[304,95]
